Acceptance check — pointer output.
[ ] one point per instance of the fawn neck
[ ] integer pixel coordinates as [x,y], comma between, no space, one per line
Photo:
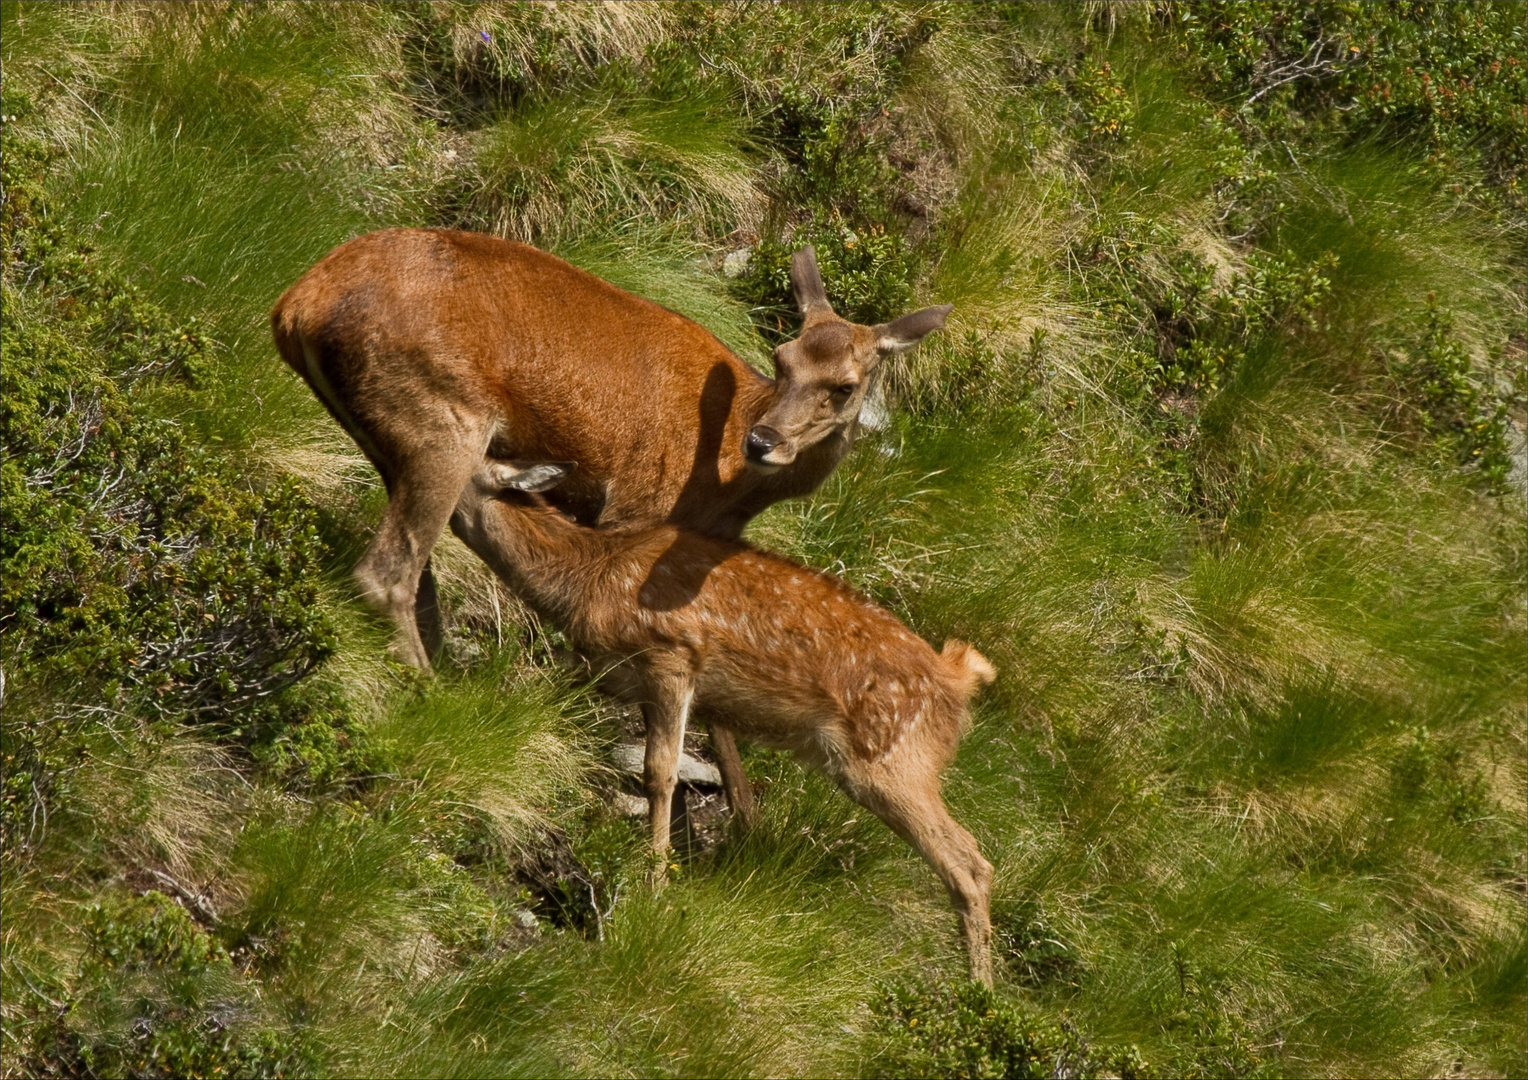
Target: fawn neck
[547,560]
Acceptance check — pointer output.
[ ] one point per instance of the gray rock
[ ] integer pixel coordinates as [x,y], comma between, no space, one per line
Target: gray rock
[734,263]
[628,805]
[628,758]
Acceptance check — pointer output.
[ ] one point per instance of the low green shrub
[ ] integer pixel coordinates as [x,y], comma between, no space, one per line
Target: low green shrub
[867,271]
[1206,1040]
[142,574]
[153,995]
[1463,410]
[1105,103]
[1451,75]
[968,1032]
[1190,324]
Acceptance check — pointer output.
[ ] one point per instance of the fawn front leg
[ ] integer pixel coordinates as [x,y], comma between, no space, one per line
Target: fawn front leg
[665,711]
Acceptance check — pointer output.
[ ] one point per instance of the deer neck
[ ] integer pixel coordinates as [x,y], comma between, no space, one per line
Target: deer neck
[722,493]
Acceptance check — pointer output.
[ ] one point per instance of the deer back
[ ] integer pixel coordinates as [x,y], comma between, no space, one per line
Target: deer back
[409,335]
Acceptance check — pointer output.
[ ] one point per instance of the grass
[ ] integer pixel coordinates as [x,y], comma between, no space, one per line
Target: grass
[1252,774]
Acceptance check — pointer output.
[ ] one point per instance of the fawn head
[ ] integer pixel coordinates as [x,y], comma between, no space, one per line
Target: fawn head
[498,477]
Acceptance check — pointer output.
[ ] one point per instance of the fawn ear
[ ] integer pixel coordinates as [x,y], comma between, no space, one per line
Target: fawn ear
[907,331]
[526,475]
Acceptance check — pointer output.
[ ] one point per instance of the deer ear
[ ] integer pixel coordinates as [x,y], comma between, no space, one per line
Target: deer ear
[910,329]
[527,476]
[806,282]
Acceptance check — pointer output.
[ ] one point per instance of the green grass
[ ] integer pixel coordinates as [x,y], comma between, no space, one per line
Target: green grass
[1252,774]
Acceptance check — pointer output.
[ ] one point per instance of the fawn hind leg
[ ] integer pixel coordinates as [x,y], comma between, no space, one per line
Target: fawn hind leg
[734,779]
[394,573]
[920,818]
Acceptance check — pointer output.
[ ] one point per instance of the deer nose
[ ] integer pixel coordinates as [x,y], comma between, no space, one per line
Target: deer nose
[760,441]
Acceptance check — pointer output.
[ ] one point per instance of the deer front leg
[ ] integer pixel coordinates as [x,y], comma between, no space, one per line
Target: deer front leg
[421,495]
[665,711]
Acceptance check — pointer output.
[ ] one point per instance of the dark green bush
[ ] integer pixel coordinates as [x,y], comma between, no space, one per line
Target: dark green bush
[1105,103]
[1190,326]
[1450,74]
[1457,406]
[867,273]
[1206,1040]
[141,573]
[154,995]
[829,123]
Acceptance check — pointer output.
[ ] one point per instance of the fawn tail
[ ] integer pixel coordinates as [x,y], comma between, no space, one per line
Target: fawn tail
[970,669]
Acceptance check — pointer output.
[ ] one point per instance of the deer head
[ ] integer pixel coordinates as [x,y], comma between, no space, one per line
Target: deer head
[823,376]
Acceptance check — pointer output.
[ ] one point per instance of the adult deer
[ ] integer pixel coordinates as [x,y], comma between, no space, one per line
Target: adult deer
[432,348]
[784,655]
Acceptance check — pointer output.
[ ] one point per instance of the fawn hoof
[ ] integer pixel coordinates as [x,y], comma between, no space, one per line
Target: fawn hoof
[658,872]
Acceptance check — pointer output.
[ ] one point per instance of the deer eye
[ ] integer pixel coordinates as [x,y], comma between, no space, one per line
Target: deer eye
[845,389]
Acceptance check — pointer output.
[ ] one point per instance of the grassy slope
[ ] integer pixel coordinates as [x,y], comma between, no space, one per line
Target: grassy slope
[1253,774]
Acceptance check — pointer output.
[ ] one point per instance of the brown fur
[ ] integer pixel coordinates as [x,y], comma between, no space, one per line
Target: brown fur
[433,347]
[780,654]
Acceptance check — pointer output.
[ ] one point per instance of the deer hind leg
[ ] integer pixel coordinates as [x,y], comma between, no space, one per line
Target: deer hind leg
[432,631]
[920,818]
[394,573]
[665,711]
[734,779]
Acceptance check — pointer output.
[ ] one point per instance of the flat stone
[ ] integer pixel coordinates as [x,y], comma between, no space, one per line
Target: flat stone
[628,805]
[628,757]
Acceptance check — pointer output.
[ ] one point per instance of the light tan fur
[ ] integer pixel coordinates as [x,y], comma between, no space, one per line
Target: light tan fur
[432,347]
[781,654]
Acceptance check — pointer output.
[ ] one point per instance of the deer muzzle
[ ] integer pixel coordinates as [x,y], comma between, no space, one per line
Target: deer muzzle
[766,449]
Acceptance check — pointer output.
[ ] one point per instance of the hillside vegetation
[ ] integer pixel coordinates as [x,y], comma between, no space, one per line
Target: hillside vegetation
[1219,461]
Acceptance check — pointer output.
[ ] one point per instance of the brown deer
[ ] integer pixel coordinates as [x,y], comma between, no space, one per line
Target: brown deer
[781,654]
[432,348]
